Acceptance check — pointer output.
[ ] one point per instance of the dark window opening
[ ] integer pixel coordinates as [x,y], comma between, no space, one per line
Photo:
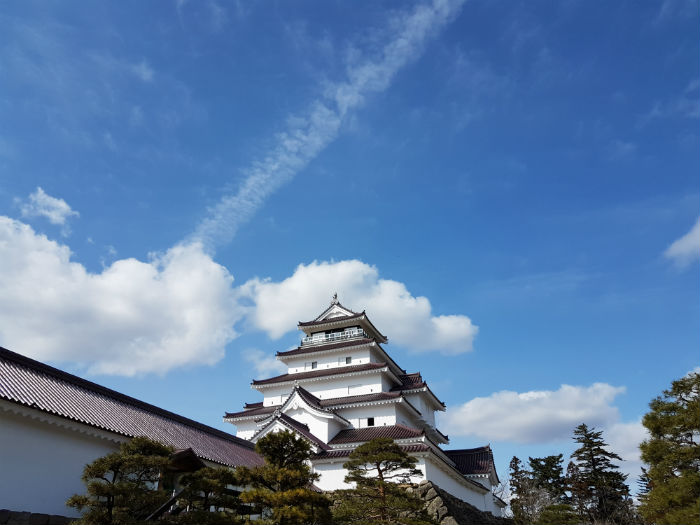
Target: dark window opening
[314,365]
[370,421]
[348,360]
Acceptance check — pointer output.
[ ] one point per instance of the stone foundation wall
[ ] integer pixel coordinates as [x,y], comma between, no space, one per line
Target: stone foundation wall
[10,517]
[445,509]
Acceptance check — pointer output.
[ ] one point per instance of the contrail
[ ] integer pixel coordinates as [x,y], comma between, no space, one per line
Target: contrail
[313,130]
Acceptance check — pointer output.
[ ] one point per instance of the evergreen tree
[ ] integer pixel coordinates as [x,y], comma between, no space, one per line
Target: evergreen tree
[122,486]
[377,468]
[548,474]
[673,454]
[604,496]
[207,497]
[283,487]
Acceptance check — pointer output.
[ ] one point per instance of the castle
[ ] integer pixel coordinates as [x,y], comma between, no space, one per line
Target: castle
[343,389]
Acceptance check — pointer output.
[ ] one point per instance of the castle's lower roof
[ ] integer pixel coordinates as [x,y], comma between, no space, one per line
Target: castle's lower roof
[35,385]
[345,452]
[360,435]
[469,461]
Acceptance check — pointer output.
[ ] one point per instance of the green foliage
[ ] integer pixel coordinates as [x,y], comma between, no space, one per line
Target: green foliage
[122,486]
[377,468]
[282,487]
[673,454]
[548,474]
[207,497]
[528,500]
[558,514]
[601,493]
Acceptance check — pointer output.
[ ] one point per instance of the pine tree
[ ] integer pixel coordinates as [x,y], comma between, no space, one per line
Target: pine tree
[673,454]
[283,486]
[207,497]
[528,500]
[548,474]
[122,486]
[377,468]
[604,496]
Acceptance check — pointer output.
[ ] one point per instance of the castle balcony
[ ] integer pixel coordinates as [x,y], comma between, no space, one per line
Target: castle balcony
[320,339]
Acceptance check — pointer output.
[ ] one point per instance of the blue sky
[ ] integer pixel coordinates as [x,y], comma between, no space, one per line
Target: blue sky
[509,188]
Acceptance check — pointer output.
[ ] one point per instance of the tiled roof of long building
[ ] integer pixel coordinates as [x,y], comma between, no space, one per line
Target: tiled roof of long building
[320,373]
[360,435]
[33,384]
[477,460]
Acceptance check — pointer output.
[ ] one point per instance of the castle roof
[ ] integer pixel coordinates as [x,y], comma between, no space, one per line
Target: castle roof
[360,435]
[313,374]
[32,384]
[470,461]
[324,347]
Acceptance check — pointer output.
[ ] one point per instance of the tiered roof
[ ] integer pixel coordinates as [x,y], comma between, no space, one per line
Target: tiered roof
[315,374]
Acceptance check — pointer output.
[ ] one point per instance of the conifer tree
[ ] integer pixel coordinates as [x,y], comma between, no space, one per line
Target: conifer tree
[122,486]
[548,474]
[283,487]
[377,468]
[673,454]
[604,496]
[207,497]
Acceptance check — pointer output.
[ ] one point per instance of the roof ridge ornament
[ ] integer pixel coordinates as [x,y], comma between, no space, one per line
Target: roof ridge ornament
[335,298]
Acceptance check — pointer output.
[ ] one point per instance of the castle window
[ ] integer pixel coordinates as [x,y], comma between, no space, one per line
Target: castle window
[314,365]
[348,360]
[370,421]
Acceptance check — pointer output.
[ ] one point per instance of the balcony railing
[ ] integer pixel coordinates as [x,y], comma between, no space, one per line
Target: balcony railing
[318,339]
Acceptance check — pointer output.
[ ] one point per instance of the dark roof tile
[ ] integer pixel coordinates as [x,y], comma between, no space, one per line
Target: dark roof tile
[319,373]
[360,435]
[472,460]
[42,387]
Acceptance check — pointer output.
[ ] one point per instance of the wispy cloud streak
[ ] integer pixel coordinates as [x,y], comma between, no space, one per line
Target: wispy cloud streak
[309,134]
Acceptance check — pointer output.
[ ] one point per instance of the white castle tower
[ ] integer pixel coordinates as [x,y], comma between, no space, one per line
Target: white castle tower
[343,389]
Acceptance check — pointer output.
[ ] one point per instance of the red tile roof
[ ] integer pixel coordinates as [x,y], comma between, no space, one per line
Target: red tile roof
[477,460]
[360,435]
[332,319]
[319,373]
[345,452]
[323,347]
[33,384]
[252,412]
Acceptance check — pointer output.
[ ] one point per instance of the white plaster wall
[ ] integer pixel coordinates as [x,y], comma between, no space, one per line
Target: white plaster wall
[345,386]
[41,464]
[446,482]
[322,428]
[323,362]
[246,429]
[423,406]
[333,474]
[276,396]
[384,415]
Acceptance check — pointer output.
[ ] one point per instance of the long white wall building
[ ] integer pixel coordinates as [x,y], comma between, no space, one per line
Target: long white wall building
[343,389]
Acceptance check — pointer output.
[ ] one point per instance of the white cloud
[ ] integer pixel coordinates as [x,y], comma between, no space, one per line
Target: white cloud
[143,71]
[406,319]
[535,416]
[308,134]
[264,363]
[624,440]
[685,250]
[41,204]
[134,317]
